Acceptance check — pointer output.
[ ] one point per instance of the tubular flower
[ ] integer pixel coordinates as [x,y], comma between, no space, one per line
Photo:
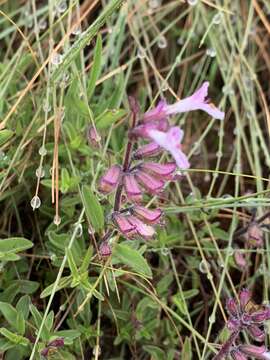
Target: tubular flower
[132,188]
[258,352]
[161,171]
[170,141]
[110,180]
[236,354]
[197,101]
[151,184]
[122,223]
[148,150]
[147,215]
[142,130]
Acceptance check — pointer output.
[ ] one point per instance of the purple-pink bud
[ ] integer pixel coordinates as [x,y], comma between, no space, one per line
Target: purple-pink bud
[233,324]
[162,171]
[59,342]
[239,259]
[109,181]
[255,234]
[147,215]
[153,185]
[125,227]
[256,333]
[260,316]
[142,229]
[142,130]
[258,352]
[148,150]
[236,354]
[105,249]
[244,297]
[132,188]
[232,307]
[157,113]
[93,137]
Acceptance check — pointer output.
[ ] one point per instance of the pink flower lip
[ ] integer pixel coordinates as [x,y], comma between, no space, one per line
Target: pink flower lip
[154,186]
[132,188]
[142,130]
[145,231]
[171,141]
[109,181]
[163,171]
[148,150]
[147,215]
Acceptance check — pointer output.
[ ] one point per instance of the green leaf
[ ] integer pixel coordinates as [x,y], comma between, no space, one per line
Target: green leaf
[187,351]
[155,352]
[14,245]
[45,334]
[49,320]
[96,68]
[93,209]
[5,135]
[87,259]
[20,323]
[63,283]
[84,39]
[72,265]
[132,258]
[65,180]
[9,313]
[23,306]
[108,118]
[14,338]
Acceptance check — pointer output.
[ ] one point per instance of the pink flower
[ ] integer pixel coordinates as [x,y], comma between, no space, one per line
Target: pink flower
[258,352]
[148,150]
[130,225]
[238,355]
[197,101]
[161,171]
[158,113]
[150,183]
[132,188]
[105,249]
[142,130]
[170,141]
[109,181]
[142,229]
[147,215]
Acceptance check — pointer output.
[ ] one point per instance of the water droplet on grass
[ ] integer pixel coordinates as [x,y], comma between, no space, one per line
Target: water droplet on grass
[57,220]
[35,202]
[61,7]
[42,24]
[40,172]
[46,106]
[141,53]
[42,151]
[203,266]
[56,58]
[192,2]
[79,230]
[217,19]
[77,30]
[162,42]
[211,52]
[154,4]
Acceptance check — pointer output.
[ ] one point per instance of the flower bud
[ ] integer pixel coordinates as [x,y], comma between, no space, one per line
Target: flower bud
[256,333]
[161,171]
[105,249]
[255,234]
[59,342]
[232,307]
[93,137]
[244,297]
[150,183]
[132,189]
[109,181]
[237,355]
[239,259]
[258,352]
[147,215]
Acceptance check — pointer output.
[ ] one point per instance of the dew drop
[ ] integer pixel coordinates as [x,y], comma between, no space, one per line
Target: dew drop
[46,106]
[56,58]
[162,42]
[217,19]
[165,87]
[57,220]
[227,90]
[96,350]
[180,41]
[219,154]
[53,257]
[211,52]
[63,307]
[227,196]
[42,24]
[203,266]
[42,151]
[192,2]
[61,7]
[154,4]
[207,177]
[77,30]
[35,202]
[79,230]
[212,319]
[141,53]
[40,172]
[230,251]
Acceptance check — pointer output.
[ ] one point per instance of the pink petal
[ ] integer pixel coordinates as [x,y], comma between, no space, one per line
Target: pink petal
[148,182]
[105,249]
[109,181]
[147,215]
[150,149]
[143,129]
[142,229]
[196,102]
[132,188]
[121,221]
[237,355]
[256,332]
[164,171]
[170,142]
[232,307]
[253,350]
[244,297]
